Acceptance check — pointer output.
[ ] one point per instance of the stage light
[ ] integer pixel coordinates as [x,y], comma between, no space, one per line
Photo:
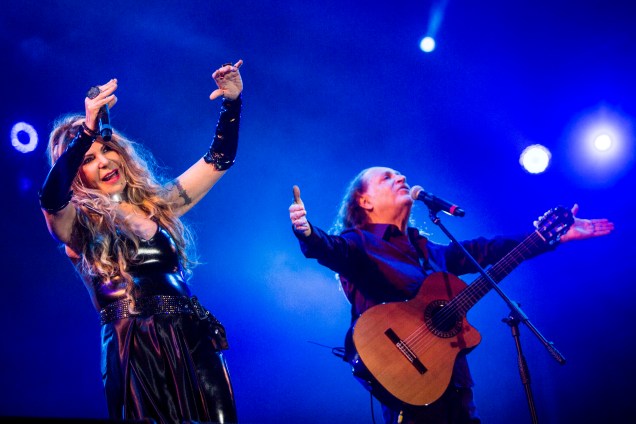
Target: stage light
[603,142]
[535,159]
[427,44]
[24,138]
[599,145]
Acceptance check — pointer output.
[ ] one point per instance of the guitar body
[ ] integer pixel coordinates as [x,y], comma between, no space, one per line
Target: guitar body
[410,347]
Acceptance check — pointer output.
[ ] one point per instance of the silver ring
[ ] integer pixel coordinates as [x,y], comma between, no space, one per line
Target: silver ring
[93,92]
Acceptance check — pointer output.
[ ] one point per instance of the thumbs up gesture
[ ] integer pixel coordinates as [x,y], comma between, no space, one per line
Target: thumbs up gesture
[298,214]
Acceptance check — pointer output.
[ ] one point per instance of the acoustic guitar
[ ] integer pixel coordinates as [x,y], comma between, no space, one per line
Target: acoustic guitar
[410,347]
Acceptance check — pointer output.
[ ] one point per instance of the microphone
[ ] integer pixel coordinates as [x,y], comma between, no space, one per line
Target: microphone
[105,129]
[435,203]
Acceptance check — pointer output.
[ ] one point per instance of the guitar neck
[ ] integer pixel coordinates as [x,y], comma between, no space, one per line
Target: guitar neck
[481,286]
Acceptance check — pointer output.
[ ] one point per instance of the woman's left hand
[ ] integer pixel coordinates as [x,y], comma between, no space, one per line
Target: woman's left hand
[228,79]
[587,228]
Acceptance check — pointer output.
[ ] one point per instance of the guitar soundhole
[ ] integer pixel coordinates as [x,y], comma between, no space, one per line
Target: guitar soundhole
[441,321]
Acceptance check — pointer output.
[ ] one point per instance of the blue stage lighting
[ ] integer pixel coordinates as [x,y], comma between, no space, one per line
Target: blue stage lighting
[603,142]
[535,159]
[427,44]
[599,145]
[24,137]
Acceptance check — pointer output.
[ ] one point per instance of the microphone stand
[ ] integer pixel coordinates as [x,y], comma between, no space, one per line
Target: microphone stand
[516,316]
[524,371]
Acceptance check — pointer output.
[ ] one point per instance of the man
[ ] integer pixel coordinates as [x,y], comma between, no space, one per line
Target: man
[380,259]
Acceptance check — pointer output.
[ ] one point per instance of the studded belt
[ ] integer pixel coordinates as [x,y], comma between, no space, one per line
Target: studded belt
[152,305]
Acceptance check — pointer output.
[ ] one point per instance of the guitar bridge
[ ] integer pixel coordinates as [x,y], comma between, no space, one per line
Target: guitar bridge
[406,351]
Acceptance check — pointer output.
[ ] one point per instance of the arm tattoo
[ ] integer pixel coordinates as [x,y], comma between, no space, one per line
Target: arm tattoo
[182,192]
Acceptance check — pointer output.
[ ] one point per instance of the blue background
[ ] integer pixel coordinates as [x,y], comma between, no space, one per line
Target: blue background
[333,87]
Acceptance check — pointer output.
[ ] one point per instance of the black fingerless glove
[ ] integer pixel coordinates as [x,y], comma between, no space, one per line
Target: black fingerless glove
[223,149]
[56,191]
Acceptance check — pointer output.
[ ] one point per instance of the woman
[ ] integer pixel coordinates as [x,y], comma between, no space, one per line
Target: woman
[161,350]
[379,259]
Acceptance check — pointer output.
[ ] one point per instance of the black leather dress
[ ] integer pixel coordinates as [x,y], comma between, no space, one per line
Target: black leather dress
[166,366]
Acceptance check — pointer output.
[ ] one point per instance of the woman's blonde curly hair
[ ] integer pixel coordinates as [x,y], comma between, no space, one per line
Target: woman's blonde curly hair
[97,237]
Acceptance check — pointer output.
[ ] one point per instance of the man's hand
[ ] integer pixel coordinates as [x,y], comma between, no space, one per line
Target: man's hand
[298,214]
[587,228]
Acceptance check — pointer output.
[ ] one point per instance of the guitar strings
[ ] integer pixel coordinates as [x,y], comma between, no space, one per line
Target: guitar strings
[422,338]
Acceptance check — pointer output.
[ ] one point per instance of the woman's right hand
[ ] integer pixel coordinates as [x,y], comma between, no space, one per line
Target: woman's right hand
[93,105]
[298,214]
